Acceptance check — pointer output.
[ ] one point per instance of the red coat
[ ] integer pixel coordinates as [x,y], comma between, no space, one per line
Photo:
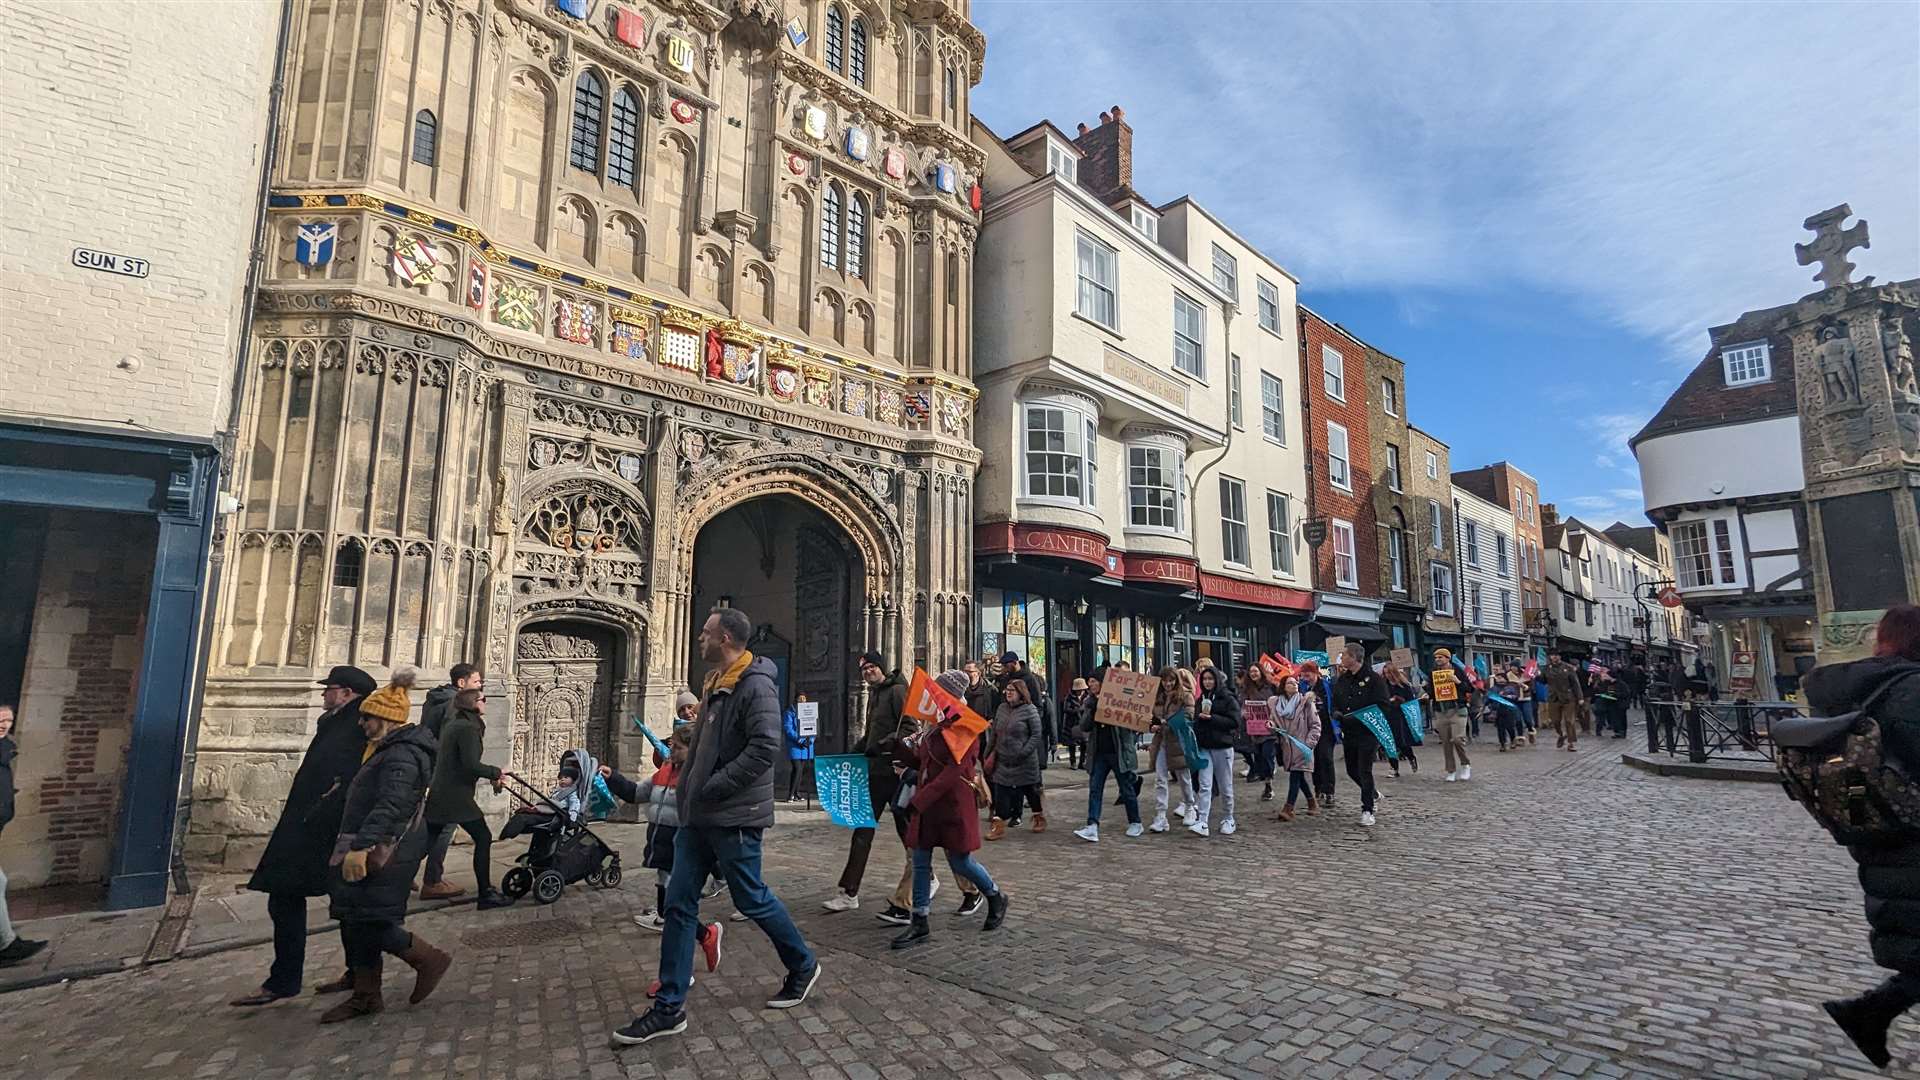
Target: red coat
[945,813]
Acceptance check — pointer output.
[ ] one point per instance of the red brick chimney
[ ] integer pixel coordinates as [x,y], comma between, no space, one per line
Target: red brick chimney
[1549,515]
[1108,164]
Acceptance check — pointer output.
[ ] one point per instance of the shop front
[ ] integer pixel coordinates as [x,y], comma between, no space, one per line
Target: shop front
[1760,655]
[1488,649]
[1401,622]
[1065,603]
[1355,618]
[1239,621]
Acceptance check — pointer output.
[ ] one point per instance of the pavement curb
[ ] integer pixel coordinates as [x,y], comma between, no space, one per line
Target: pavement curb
[1758,772]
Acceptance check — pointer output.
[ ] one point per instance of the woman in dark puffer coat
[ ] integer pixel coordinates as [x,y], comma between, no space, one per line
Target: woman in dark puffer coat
[383,837]
[1889,875]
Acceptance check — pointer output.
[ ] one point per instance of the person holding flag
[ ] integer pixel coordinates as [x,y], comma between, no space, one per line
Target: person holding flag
[1360,703]
[944,811]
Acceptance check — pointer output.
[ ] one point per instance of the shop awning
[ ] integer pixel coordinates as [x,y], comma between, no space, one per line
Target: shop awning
[1351,631]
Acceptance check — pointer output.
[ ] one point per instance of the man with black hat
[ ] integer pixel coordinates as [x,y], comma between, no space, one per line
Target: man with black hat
[886,705]
[294,866]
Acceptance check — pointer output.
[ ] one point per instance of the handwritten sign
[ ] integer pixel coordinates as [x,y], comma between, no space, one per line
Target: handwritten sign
[1259,719]
[1126,700]
[1335,646]
[929,704]
[1403,659]
[806,717]
[841,780]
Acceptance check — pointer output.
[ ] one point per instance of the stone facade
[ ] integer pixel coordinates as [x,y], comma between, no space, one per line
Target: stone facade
[547,296]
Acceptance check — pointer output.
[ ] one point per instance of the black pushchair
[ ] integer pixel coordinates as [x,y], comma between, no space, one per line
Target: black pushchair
[561,849]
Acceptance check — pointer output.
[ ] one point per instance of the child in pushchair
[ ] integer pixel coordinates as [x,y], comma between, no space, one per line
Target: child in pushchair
[561,848]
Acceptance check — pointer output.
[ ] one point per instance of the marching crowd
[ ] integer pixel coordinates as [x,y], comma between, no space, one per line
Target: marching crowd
[378,797]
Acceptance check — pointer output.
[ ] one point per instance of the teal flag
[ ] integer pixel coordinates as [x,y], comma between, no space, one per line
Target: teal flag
[1298,745]
[1376,722]
[1416,722]
[1318,656]
[844,787]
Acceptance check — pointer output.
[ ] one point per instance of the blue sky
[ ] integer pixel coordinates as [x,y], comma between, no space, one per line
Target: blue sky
[1541,208]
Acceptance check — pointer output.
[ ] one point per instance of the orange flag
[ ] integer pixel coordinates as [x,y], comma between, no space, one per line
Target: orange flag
[929,704]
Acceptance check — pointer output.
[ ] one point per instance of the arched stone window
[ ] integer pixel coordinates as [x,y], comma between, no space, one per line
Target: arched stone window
[623,138]
[830,226]
[426,137]
[857,52]
[589,107]
[836,39]
[856,248]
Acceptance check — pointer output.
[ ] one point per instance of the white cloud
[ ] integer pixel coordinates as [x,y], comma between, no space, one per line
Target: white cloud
[1651,161]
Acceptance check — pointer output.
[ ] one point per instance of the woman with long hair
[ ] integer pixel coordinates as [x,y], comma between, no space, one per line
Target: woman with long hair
[1889,873]
[1172,730]
[1256,687]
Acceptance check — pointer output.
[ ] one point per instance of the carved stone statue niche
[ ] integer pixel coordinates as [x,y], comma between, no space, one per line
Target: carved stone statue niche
[1839,371]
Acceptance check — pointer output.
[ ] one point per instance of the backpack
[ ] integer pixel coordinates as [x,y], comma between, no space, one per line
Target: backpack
[1837,768]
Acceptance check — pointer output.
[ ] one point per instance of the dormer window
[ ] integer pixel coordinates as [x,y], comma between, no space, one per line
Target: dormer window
[1147,222]
[1062,161]
[1746,364]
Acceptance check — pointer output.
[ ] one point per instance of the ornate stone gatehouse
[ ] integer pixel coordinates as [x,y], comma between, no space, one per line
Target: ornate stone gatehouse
[581,319]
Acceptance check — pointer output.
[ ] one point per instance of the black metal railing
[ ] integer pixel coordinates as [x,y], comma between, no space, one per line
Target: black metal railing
[1736,730]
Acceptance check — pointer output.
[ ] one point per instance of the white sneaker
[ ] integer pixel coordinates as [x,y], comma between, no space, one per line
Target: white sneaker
[1466,772]
[1160,823]
[1228,826]
[1182,811]
[1198,828]
[1452,776]
[738,916]
[933,887]
[1136,829]
[842,902]
[651,921]
[1089,833]
[1366,817]
[1190,815]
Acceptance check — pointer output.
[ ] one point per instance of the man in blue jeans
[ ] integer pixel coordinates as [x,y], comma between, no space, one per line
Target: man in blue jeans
[726,801]
[1111,751]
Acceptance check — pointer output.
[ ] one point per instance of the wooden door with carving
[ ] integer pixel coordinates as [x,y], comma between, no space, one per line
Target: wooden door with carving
[563,698]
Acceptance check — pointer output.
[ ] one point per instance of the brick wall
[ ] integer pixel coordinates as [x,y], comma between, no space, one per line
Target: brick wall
[1330,502]
[133,129]
[1108,164]
[76,702]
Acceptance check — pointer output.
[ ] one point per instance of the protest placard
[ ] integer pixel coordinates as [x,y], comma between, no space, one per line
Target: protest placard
[1403,659]
[1335,646]
[841,780]
[1301,656]
[929,704]
[1126,700]
[1446,685]
[1258,716]
[806,717]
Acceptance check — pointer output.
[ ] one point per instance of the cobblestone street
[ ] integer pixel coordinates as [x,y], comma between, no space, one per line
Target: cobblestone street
[1559,916]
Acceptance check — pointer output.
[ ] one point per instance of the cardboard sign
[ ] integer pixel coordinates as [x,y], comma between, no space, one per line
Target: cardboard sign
[1335,646]
[1403,659]
[1126,700]
[930,705]
[806,716]
[841,780]
[1259,719]
[1446,685]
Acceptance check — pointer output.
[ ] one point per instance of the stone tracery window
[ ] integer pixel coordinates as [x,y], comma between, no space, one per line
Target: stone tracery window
[856,256]
[623,138]
[589,106]
[582,522]
[830,226]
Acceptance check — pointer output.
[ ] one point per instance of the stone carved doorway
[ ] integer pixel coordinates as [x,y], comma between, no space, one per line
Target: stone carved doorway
[564,679]
[796,574]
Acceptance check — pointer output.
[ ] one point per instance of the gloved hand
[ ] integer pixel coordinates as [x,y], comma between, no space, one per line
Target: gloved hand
[354,867]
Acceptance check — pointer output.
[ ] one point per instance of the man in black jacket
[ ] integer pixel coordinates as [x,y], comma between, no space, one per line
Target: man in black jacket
[886,705]
[294,866]
[725,799]
[433,716]
[13,948]
[1357,687]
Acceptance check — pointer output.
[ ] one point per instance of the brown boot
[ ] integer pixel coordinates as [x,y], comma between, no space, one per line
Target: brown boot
[366,999]
[441,890]
[1039,823]
[428,964]
[1286,813]
[338,986]
[1313,806]
[996,829]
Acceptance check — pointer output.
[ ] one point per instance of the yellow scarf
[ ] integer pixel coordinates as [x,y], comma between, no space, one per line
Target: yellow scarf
[729,677]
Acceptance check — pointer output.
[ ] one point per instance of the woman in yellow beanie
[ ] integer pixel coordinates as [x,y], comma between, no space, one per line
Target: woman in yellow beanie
[382,839]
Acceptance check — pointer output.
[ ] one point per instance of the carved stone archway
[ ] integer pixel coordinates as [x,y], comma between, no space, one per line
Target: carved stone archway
[713,480]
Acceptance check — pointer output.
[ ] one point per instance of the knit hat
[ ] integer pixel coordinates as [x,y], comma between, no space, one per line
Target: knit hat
[953,682]
[684,699]
[391,702]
